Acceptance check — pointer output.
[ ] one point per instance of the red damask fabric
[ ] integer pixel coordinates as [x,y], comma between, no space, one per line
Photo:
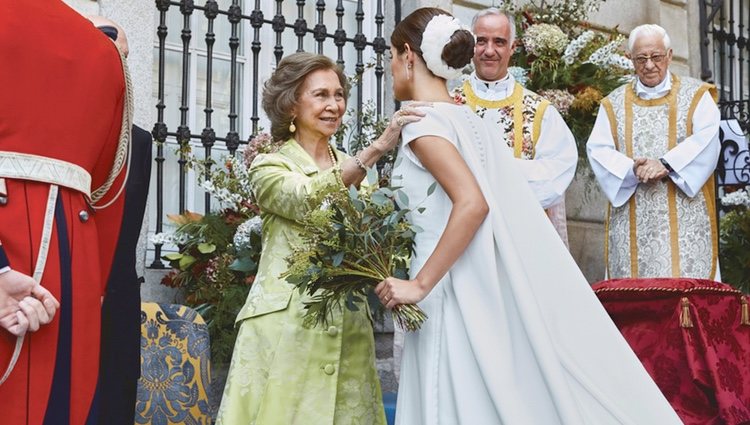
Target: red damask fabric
[690,336]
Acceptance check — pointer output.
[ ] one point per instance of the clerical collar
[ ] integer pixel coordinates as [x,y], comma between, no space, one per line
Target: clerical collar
[493,90]
[655,92]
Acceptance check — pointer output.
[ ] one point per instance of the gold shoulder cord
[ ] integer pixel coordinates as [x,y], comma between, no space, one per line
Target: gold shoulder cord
[122,155]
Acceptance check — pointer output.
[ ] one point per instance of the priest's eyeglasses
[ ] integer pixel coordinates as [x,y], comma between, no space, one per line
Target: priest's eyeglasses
[656,59]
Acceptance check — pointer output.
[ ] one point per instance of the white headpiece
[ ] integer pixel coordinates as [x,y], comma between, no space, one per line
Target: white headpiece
[437,34]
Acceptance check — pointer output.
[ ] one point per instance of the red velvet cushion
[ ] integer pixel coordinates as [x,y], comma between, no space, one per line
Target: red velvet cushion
[690,336]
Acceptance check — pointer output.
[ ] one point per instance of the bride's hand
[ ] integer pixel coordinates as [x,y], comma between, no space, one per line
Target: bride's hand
[393,291]
[409,113]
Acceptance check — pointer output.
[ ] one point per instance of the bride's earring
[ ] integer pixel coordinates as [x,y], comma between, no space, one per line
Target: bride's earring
[292,127]
[408,72]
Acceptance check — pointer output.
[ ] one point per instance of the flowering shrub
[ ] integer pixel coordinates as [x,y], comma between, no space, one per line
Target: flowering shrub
[219,252]
[544,39]
[574,68]
[734,240]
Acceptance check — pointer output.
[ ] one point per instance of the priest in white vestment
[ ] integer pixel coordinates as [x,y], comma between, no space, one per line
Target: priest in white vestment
[653,149]
[542,143]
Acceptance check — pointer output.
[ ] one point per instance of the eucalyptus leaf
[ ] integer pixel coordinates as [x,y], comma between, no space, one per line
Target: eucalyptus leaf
[403,197]
[379,198]
[353,193]
[372,176]
[431,189]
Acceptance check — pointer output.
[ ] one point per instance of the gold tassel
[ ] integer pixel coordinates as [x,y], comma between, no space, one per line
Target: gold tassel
[685,320]
[745,320]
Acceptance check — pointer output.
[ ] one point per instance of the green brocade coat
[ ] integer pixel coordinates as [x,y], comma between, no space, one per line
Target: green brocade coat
[282,372]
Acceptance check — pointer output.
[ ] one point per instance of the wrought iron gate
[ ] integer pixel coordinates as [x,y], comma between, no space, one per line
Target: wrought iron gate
[725,61]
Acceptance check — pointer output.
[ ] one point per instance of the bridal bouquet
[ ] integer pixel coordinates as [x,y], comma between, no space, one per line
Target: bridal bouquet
[357,239]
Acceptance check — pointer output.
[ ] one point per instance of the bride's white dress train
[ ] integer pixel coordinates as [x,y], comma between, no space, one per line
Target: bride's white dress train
[515,335]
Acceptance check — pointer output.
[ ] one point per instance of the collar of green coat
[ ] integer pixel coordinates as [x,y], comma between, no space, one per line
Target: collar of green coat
[299,156]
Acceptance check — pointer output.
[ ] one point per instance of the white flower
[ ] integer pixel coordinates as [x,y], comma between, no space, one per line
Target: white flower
[601,56]
[738,198]
[161,238]
[574,48]
[519,74]
[544,39]
[244,231]
[620,61]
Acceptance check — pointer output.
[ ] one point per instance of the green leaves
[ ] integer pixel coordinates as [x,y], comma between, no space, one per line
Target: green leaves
[364,239]
[403,198]
[185,261]
[734,248]
[244,264]
[431,189]
[212,274]
[206,248]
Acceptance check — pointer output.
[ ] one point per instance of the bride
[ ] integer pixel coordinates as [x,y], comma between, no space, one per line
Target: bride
[515,335]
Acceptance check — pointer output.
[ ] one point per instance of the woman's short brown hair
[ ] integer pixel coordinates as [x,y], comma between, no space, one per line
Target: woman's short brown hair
[280,92]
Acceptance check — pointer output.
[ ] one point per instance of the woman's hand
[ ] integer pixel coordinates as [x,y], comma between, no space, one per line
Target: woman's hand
[393,291]
[353,169]
[409,113]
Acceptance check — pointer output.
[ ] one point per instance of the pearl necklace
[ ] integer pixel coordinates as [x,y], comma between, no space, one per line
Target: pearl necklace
[332,156]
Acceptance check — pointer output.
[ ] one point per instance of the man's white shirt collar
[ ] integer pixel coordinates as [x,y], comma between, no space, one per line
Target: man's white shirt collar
[655,92]
[492,90]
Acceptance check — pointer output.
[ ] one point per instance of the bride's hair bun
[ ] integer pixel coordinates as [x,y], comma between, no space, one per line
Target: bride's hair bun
[459,50]
[445,45]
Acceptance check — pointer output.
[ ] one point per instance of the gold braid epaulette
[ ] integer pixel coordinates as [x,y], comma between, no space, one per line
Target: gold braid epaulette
[122,154]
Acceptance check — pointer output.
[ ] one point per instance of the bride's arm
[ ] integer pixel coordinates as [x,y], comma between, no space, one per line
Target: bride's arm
[469,210]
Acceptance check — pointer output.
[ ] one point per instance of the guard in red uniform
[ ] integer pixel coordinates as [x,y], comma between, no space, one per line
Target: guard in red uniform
[64,147]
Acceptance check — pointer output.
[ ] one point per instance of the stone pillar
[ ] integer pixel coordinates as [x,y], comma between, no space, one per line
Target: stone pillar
[84,7]
[673,16]
[133,16]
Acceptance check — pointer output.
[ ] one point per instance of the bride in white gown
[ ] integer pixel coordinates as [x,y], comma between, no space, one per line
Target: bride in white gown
[515,335]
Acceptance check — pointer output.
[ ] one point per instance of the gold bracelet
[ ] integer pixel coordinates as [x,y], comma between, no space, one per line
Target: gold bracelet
[359,163]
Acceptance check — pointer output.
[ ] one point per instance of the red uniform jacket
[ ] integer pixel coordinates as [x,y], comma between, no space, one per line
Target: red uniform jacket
[63,97]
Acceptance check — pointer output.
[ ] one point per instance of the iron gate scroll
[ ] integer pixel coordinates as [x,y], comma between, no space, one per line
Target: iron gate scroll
[725,61]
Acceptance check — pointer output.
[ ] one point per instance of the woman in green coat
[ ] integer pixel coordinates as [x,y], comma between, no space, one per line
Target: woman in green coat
[281,371]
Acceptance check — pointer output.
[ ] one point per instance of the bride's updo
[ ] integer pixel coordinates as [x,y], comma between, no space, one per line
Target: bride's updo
[438,38]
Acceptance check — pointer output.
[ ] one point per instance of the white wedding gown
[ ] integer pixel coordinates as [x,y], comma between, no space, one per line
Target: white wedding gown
[515,335]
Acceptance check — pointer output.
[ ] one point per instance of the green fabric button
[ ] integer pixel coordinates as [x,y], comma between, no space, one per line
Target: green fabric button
[333,331]
[329,369]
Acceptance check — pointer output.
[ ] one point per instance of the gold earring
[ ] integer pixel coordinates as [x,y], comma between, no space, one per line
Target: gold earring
[408,74]
[292,127]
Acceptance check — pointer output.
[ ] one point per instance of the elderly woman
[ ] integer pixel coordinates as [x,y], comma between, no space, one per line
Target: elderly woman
[281,371]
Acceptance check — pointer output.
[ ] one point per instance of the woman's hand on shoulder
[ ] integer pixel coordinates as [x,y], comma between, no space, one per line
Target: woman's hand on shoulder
[393,291]
[408,114]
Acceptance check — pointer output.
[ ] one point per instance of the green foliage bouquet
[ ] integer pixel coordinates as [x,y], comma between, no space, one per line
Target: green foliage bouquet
[734,240]
[355,241]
